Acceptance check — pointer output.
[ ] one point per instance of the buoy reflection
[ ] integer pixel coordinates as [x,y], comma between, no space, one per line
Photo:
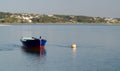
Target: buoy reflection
[74,50]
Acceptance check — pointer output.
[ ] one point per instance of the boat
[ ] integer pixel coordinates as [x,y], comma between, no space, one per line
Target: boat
[33,44]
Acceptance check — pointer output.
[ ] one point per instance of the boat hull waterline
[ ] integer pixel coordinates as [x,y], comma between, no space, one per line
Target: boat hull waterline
[33,44]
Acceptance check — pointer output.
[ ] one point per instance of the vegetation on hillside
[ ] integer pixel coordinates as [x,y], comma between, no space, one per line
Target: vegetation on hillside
[37,18]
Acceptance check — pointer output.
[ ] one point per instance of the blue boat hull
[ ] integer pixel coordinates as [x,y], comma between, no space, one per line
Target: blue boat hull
[35,45]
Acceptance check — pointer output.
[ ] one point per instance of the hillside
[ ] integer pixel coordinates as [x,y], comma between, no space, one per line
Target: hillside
[6,17]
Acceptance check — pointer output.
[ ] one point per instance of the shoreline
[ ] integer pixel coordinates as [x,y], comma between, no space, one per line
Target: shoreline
[4,25]
[8,24]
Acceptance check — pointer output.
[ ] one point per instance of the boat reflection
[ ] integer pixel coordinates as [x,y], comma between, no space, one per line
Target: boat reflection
[34,50]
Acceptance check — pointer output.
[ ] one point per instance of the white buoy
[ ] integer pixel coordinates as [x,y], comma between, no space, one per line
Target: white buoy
[73,46]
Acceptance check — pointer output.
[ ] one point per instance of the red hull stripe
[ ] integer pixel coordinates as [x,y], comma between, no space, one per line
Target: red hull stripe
[35,49]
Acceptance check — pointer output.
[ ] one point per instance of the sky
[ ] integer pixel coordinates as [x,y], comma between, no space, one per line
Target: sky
[94,8]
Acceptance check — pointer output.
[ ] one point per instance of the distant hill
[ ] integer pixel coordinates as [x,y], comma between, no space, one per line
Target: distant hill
[6,17]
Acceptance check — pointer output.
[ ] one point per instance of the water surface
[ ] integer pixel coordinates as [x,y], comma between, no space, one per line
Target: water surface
[98,48]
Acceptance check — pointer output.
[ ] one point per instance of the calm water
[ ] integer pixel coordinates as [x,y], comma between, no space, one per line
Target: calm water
[98,48]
